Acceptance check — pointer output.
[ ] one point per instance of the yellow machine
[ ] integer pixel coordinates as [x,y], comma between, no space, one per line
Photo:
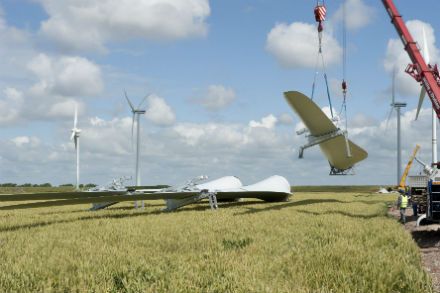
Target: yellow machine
[402,181]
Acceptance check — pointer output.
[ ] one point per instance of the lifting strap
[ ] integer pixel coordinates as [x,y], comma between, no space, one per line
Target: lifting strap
[344,68]
[320,12]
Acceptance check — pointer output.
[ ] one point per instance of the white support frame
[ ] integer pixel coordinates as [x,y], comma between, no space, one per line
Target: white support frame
[314,140]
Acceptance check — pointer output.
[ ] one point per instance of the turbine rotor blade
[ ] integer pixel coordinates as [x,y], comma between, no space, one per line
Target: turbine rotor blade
[389,116]
[75,118]
[142,101]
[73,135]
[422,96]
[426,57]
[128,100]
[132,126]
[393,86]
[76,142]
[425,47]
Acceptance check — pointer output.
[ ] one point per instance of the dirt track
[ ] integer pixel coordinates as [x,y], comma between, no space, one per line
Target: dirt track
[427,238]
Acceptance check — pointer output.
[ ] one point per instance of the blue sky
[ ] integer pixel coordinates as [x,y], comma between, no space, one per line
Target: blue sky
[217,71]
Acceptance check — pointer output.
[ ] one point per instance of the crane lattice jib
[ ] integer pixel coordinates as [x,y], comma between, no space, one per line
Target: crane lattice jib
[418,70]
[402,181]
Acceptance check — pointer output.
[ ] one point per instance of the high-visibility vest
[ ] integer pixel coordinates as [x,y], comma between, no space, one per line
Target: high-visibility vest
[404,202]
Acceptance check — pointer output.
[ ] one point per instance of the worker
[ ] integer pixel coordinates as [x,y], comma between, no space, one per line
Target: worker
[402,203]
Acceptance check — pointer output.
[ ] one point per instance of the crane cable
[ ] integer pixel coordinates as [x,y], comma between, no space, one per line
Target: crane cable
[344,67]
[320,12]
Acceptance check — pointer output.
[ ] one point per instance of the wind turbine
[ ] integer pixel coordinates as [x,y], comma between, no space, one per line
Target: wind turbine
[397,106]
[422,96]
[75,137]
[137,112]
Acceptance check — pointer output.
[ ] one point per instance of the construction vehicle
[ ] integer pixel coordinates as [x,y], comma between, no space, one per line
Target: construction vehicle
[401,185]
[432,205]
[428,76]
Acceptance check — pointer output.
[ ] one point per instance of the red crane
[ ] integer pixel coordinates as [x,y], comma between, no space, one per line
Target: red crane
[427,75]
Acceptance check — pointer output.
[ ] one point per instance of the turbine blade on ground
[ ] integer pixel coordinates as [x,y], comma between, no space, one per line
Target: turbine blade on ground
[57,195]
[109,198]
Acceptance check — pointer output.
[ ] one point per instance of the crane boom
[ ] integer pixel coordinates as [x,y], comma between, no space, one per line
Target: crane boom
[407,169]
[427,75]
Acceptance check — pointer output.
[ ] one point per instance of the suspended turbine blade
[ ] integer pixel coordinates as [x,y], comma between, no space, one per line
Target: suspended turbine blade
[142,101]
[422,95]
[128,100]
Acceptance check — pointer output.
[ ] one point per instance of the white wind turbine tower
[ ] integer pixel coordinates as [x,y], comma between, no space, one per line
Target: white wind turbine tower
[137,112]
[75,138]
[397,106]
[422,95]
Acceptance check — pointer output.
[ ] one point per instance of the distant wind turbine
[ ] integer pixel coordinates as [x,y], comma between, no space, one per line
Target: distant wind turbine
[397,106]
[137,112]
[75,137]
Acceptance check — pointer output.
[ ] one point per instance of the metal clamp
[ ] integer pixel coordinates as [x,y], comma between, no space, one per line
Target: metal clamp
[314,140]
[213,201]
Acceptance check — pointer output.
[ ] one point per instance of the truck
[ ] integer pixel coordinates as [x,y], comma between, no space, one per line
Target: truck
[430,194]
[418,188]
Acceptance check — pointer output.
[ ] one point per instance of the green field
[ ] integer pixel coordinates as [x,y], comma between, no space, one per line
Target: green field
[318,242]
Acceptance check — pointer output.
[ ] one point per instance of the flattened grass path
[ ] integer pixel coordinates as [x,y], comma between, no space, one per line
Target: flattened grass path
[318,242]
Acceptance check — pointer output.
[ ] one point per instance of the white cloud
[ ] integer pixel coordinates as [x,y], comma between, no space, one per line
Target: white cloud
[296,45]
[39,86]
[66,76]
[335,87]
[10,107]
[16,48]
[267,122]
[396,58]
[88,25]
[159,112]
[216,98]
[362,120]
[357,14]
[108,138]
[285,118]
[20,141]
[59,81]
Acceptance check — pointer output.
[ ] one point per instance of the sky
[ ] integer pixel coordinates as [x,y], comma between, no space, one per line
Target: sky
[214,73]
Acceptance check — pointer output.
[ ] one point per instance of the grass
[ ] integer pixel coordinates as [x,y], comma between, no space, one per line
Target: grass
[336,188]
[318,242]
[19,189]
